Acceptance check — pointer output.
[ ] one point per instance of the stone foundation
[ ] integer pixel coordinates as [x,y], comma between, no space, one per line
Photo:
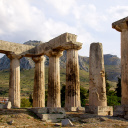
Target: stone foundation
[75,109]
[100,110]
[121,111]
[50,114]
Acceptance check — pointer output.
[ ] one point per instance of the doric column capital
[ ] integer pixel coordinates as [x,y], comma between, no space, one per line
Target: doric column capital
[13,56]
[38,58]
[121,24]
[56,53]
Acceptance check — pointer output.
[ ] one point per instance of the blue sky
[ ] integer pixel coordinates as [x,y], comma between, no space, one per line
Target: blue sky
[90,20]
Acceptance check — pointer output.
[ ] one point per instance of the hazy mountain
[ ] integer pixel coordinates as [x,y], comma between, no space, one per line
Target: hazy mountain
[112,63]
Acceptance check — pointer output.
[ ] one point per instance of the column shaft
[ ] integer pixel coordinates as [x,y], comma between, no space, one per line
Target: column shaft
[97,85]
[54,82]
[124,66]
[72,92]
[14,83]
[39,82]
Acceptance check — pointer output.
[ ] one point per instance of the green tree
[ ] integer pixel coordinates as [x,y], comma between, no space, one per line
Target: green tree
[118,88]
[83,96]
[25,103]
[30,99]
[107,84]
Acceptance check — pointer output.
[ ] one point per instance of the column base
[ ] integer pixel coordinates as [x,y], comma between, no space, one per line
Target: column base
[49,114]
[75,109]
[121,111]
[100,110]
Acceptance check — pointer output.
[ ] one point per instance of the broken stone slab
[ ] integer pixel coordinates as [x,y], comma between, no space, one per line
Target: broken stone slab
[66,123]
[56,110]
[8,105]
[40,110]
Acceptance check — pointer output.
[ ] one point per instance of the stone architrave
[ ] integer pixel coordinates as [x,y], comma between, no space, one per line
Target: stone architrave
[14,81]
[39,82]
[72,92]
[97,85]
[54,80]
[122,26]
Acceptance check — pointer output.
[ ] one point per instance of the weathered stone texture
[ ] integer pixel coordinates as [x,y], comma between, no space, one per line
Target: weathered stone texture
[72,92]
[53,49]
[97,85]
[62,42]
[14,82]
[9,47]
[54,81]
[39,82]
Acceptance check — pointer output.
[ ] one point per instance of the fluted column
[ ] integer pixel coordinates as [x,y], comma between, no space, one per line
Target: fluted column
[122,26]
[39,82]
[54,80]
[14,81]
[72,92]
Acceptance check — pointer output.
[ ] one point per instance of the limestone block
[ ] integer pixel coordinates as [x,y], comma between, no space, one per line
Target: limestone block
[40,110]
[66,123]
[8,105]
[56,110]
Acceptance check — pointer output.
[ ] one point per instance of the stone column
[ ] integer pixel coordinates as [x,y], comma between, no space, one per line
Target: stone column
[72,92]
[39,82]
[54,80]
[14,81]
[122,26]
[97,85]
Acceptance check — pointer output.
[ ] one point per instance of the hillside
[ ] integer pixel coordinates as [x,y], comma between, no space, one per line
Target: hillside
[112,63]
[112,67]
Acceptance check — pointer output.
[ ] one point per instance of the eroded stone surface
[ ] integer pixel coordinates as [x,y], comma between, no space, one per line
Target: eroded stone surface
[14,82]
[54,81]
[97,85]
[72,92]
[39,82]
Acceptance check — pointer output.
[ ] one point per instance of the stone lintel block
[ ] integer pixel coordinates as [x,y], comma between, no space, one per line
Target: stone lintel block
[63,42]
[118,25]
[100,110]
[10,47]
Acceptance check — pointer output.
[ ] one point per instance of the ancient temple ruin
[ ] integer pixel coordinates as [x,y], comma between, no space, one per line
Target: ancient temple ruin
[53,49]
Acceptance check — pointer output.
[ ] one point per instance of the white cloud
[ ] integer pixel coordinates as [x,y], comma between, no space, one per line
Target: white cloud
[63,6]
[118,12]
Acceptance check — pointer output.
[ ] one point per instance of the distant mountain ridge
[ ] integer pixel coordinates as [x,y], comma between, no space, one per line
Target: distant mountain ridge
[112,63]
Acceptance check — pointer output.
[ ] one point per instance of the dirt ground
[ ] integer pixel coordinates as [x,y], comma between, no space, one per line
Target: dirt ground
[23,118]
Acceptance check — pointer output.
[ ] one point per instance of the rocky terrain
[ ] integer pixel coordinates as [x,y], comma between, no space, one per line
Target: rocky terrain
[23,118]
[112,63]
